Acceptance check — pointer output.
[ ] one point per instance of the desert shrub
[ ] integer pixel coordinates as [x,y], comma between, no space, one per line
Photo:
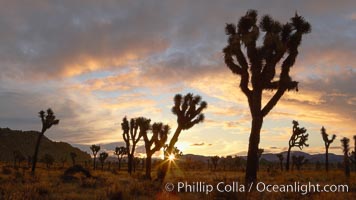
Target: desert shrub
[69,174]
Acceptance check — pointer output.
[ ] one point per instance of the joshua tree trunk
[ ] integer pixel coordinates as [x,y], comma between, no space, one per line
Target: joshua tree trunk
[148,166]
[288,158]
[252,155]
[129,163]
[173,140]
[94,162]
[34,161]
[169,151]
[327,159]
[120,163]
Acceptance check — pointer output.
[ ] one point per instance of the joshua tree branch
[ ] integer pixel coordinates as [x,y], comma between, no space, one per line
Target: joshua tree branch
[273,101]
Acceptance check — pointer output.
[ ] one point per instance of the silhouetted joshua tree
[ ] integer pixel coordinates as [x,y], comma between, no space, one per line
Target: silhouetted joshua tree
[73,155]
[120,152]
[353,154]
[215,161]
[258,72]
[327,143]
[345,148]
[102,157]
[155,143]
[188,110]
[299,161]
[48,119]
[298,139]
[94,149]
[132,133]
[280,157]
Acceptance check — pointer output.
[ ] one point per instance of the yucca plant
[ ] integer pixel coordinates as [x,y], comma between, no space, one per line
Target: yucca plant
[102,157]
[327,143]
[188,110]
[120,152]
[298,139]
[345,148]
[94,149]
[132,133]
[155,143]
[257,67]
[48,120]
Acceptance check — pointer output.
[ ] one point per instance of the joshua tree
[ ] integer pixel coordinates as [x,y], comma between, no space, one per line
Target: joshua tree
[215,161]
[132,135]
[280,157]
[345,148]
[298,139]
[299,161]
[73,155]
[327,143]
[188,110]
[95,149]
[157,141]
[48,160]
[120,152]
[48,119]
[258,72]
[354,153]
[259,154]
[102,157]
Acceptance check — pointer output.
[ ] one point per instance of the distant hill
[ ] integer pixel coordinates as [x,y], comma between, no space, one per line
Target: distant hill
[269,157]
[313,158]
[25,141]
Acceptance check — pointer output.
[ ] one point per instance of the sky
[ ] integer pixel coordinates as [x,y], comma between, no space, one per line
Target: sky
[95,62]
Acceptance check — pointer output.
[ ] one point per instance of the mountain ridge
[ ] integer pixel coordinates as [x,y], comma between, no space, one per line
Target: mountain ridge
[25,141]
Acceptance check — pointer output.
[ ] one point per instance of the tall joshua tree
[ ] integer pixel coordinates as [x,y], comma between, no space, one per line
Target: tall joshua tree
[157,141]
[120,152]
[188,110]
[298,139]
[327,143]
[48,119]
[258,73]
[132,133]
[345,148]
[94,149]
[280,157]
[102,157]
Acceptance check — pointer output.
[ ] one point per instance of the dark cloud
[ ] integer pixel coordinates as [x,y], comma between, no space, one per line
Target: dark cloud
[65,38]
